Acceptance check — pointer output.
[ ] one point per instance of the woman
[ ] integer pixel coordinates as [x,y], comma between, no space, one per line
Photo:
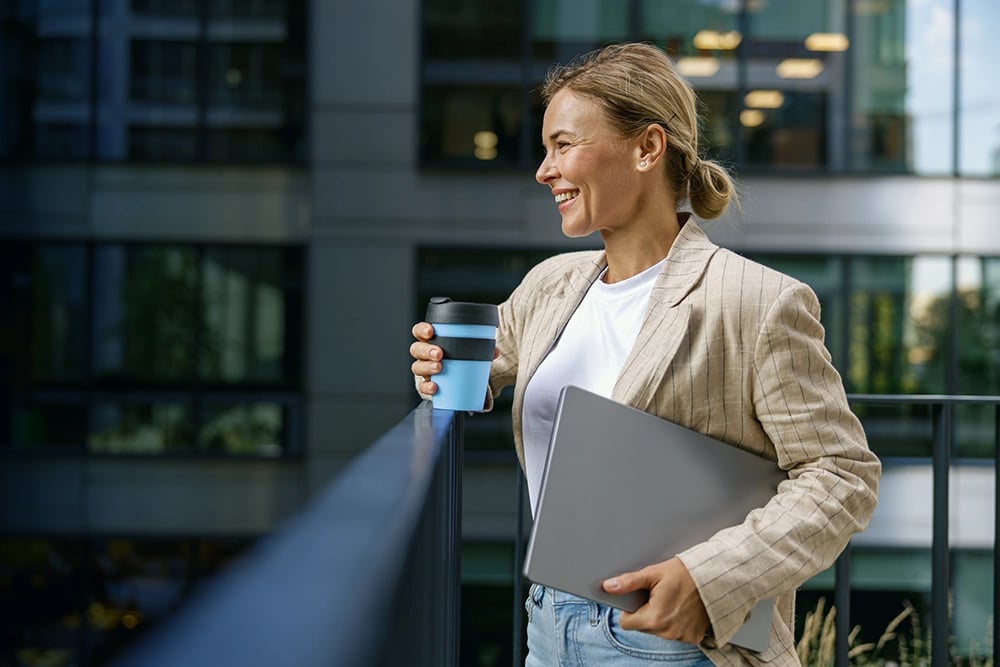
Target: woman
[664,320]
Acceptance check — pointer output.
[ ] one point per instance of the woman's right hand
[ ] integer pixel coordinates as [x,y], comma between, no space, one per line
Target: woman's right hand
[427,359]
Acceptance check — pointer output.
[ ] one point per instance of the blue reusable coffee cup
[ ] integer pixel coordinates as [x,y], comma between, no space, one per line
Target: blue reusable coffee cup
[466,334]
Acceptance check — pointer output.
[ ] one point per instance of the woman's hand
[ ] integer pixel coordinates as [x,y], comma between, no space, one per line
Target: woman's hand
[427,359]
[674,609]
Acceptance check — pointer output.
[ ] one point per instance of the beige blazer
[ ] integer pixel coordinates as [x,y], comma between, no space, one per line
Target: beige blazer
[735,350]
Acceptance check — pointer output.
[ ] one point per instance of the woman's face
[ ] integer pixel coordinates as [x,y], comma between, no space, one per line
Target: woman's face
[588,165]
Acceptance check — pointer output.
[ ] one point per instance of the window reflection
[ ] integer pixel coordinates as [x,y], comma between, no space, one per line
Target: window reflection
[471,124]
[245,309]
[255,429]
[566,28]
[483,30]
[134,426]
[899,309]
[179,81]
[901,95]
[979,103]
[145,304]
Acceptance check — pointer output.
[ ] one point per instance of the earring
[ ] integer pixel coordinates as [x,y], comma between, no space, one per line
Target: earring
[642,164]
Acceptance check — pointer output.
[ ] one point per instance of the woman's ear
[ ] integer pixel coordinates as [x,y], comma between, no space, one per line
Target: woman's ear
[652,146]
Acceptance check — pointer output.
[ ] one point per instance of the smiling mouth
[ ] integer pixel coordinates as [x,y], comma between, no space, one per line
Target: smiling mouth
[566,196]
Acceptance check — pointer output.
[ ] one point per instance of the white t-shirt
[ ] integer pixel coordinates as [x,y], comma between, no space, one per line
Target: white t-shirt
[589,354]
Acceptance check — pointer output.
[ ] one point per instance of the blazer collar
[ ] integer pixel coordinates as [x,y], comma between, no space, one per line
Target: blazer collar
[667,322]
[686,262]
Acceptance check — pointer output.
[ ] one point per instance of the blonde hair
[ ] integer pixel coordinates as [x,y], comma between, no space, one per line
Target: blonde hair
[637,85]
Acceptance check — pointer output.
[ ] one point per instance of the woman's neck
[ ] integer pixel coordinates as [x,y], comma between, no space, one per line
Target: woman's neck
[633,249]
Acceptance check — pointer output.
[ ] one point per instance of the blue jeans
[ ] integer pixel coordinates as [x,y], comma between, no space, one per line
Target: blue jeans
[568,631]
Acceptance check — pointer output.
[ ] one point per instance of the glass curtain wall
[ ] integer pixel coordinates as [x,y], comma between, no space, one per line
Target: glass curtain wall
[96,353]
[864,86]
[152,81]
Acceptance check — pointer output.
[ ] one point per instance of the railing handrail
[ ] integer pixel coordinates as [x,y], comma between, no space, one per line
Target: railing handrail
[325,588]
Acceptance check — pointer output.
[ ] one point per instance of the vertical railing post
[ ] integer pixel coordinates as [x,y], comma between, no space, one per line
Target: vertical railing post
[996,533]
[518,641]
[842,602]
[453,541]
[940,567]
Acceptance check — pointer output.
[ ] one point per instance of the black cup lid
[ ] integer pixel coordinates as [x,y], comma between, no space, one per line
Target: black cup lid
[445,311]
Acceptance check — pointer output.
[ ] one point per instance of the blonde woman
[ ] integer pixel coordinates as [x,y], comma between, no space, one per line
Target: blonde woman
[664,320]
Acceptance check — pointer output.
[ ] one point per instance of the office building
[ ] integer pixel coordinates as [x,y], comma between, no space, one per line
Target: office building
[220,218]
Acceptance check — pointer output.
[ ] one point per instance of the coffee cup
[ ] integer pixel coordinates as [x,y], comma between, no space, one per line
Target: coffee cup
[466,334]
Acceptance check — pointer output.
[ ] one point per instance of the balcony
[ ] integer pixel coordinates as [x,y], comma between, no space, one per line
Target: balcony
[369,573]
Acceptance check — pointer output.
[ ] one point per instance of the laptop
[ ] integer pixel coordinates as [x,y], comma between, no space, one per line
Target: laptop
[623,489]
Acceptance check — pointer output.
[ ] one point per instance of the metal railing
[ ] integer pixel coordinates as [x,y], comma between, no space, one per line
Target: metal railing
[942,410]
[367,575]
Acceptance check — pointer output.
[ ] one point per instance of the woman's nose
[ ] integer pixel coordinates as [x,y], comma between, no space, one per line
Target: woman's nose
[545,171]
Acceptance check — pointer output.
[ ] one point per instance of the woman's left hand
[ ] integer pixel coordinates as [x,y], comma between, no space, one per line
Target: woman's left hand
[674,609]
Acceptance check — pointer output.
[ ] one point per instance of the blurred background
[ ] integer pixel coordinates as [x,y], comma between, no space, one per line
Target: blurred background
[220,218]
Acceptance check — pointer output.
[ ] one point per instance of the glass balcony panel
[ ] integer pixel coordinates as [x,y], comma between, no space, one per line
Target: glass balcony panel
[979,101]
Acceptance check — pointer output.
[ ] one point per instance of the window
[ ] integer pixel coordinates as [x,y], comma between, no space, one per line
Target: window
[789,86]
[219,81]
[151,348]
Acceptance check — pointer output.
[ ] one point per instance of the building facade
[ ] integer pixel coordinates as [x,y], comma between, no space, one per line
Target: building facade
[220,218]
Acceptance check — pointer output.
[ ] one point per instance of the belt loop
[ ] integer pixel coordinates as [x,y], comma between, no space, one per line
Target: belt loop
[595,612]
[537,593]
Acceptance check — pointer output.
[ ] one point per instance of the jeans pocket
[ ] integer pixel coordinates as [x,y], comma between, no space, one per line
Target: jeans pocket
[534,600]
[645,646]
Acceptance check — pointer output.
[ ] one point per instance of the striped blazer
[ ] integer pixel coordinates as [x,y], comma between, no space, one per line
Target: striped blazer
[735,350]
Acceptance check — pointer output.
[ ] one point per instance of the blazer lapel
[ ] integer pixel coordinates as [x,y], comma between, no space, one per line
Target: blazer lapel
[666,326]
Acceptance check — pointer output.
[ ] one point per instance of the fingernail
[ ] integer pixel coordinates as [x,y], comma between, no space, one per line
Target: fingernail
[435,354]
[611,584]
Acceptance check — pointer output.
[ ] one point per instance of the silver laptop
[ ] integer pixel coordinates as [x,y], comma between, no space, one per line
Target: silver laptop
[623,489]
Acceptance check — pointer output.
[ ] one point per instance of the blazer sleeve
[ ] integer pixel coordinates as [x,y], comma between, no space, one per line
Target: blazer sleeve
[799,400]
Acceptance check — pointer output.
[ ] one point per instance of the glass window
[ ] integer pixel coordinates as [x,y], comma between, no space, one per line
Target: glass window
[136,426]
[898,339]
[181,82]
[245,76]
[471,124]
[164,72]
[47,421]
[247,310]
[979,102]
[145,305]
[562,29]
[483,30]
[794,83]
[903,80]
[238,428]
[45,82]
[173,8]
